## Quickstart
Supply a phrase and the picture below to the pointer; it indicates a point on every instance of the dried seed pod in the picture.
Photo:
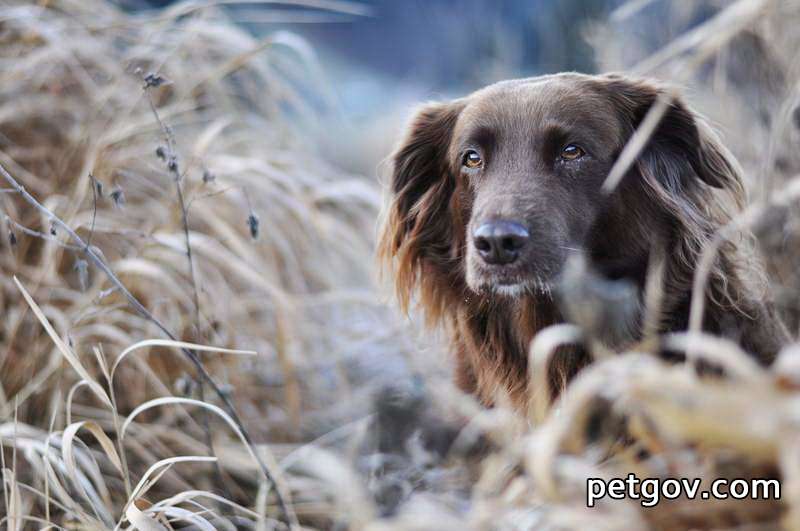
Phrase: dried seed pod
(12, 236)
(252, 223)
(118, 196)
(154, 80)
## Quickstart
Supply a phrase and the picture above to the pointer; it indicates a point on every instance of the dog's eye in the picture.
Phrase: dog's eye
(472, 159)
(572, 152)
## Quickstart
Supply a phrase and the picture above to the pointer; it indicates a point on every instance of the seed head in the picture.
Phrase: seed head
(252, 223)
(118, 196)
(154, 80)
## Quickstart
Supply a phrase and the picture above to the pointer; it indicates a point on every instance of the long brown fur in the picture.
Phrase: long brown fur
(424, 239)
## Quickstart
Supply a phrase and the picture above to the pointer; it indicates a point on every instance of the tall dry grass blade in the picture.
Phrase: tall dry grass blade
(174, 344)
(224, 416)
(62, 347)
(158, 468)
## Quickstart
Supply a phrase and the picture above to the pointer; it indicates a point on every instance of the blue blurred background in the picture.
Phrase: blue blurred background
(380, 57)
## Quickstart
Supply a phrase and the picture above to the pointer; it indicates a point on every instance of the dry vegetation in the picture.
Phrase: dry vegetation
(105, 423)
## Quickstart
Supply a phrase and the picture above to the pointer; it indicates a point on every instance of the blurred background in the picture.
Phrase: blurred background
(379, 58)
(227, 158)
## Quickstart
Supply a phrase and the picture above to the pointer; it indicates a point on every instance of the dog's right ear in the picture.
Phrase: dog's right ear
(417, 227)
(420, 163)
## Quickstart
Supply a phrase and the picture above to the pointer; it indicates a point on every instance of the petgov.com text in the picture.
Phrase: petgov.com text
(651, 491)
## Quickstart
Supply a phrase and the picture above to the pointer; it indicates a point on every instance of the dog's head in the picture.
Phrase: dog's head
(494, 190)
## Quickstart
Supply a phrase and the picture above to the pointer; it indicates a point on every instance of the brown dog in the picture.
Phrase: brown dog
(492, 192)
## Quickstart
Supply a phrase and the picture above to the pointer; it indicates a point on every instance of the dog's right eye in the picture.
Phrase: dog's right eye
(472, 159)
(572, 152)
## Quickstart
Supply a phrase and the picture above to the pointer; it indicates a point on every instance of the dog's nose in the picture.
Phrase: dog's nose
(499, 242)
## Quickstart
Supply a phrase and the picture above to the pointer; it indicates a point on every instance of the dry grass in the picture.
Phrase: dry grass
(103, 423)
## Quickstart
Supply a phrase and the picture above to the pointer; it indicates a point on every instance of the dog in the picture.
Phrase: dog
(492, 193)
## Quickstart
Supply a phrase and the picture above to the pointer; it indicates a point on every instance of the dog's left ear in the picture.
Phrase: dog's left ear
(681, 141)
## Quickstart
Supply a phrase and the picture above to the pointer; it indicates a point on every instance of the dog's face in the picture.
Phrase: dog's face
(531, 158)
(499, 187)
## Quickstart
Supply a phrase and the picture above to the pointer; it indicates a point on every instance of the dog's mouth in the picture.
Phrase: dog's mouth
(510, 283)
(528, 287)
(530, 274)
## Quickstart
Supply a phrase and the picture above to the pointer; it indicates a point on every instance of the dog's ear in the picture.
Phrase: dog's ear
(417, 227)
(420, 163)
(682, 144)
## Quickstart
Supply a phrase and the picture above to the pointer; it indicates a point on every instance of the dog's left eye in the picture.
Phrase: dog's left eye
(472, 159)
(572, 152)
